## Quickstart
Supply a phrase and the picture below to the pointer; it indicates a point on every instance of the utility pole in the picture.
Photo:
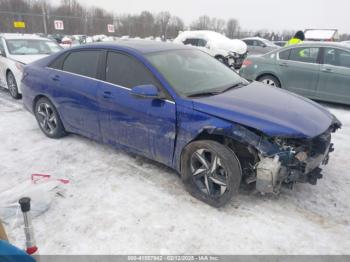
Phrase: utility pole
(44, 16)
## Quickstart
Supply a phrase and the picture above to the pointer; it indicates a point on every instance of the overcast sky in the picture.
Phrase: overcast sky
(252, 14)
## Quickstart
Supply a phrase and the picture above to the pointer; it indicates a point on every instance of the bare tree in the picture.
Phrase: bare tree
(202, 23)
(176, 24)
(163, 19)
(217, 25)
(232, 28)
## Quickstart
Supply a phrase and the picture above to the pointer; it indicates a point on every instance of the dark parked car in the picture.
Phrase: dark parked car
(181, 107)
(319, 70)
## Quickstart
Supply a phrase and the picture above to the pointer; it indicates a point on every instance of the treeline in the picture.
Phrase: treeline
(79, 19)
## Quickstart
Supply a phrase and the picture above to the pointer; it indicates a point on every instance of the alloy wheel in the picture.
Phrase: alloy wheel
(47, 118)
(208, 173)
(12, 86)
(269, 82)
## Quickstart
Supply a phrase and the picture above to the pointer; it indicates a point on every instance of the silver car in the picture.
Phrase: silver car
(258, 45)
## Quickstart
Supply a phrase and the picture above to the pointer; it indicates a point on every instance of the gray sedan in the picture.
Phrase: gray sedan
(319, 71)
(258, 45)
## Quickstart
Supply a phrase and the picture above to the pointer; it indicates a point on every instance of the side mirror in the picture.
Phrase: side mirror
(146, 91)
(2, 53)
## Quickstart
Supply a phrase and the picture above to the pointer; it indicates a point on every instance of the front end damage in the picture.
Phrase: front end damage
(235, 60)
(272, 162)
(296, 161)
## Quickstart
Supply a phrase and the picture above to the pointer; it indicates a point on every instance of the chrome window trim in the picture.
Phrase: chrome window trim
(102, 81)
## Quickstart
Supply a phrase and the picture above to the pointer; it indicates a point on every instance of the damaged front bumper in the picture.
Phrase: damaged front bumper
(298, 161)
(235, 60)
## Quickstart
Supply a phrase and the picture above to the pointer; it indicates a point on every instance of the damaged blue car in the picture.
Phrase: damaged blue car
(179, 106)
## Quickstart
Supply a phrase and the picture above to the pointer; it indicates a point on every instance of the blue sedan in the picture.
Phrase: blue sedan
(179, 106)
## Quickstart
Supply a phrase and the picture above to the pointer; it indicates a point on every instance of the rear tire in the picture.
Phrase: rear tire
(12, 85)
(48, 119)
(211, 172)
(270, 80)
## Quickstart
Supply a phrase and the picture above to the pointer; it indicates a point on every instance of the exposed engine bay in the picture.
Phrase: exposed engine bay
(288, 161)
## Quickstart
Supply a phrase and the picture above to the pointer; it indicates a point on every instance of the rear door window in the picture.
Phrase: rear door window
(304, 54)
(336, 57)
(83, 63)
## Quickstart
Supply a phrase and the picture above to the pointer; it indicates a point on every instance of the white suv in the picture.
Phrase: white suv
(17, 50)
(232, 52)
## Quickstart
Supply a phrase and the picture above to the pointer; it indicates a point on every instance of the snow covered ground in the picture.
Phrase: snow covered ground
(121, 204)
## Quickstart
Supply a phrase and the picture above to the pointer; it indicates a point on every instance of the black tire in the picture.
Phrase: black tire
(202, 186)
(270, 80)
(12, 85)
(221, 59)
(48, 119)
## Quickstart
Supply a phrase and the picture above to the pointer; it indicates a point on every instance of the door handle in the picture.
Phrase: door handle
(283, 64)
(55, 78)
(327, 70)
(107, 94)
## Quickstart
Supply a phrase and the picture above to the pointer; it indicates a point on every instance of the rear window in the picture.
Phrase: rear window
(82, 63)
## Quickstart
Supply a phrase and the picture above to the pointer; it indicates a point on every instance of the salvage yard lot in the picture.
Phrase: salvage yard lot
(118, 203)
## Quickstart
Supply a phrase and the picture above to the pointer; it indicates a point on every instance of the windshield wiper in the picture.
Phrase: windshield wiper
(210, 93)
(239, 84)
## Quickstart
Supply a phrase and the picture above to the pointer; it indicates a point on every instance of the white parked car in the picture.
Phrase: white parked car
(17, 50)
(232, 52)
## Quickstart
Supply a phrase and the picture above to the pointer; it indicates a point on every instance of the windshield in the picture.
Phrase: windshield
(192, 72)
(269, 43)
(31, 47)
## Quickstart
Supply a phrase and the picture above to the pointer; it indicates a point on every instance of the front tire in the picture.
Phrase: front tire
(12, 85)
(211, 172)
(48, 119)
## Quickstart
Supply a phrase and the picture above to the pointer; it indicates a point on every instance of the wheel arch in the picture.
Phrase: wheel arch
(242, 150)
(36, 99)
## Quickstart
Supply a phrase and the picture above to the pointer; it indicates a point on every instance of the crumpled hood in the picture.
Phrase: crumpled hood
(273, 111)
(233, 45)
(26, 59)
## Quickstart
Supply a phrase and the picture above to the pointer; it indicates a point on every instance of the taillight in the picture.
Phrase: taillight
(247, 63)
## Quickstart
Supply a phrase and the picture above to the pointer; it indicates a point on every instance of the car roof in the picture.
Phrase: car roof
(141, 46)
(212, 35)
(20, 36)
(320, 44)
(255, 38)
